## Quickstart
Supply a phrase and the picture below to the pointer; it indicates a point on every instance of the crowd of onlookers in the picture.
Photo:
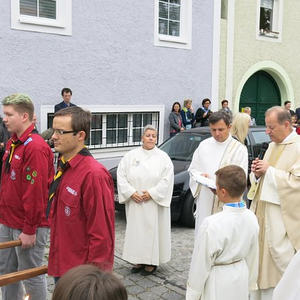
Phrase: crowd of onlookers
(184, 117)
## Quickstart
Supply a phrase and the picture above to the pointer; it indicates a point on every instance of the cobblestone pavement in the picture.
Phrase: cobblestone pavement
(168, 282)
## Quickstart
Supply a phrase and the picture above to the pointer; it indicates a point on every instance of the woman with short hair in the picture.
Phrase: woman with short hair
(145, 183)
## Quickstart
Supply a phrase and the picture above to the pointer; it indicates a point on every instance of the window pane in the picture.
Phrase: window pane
(122, 135)
(163, 10)
(163, 26)
(122, 121)
(265, 19)
(96, 121)
(96, 137)
(175, 1)
(111, 136)
(147, 119)
(175, 12)
(137, 120)
(174, 28)
(137, 134)
(111, 121)
(28, 7)
(266, 4)
(47, 9)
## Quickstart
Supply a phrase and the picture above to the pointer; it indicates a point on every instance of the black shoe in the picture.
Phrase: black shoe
(146, 273)
(136, 269)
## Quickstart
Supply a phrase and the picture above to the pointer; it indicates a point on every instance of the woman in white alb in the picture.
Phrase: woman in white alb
(145, 183)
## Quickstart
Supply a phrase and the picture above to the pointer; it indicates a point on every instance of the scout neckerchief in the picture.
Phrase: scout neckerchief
(62, 167)
(13, 146)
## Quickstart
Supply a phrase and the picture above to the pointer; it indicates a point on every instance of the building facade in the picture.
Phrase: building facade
(126, 61)
(259, 42)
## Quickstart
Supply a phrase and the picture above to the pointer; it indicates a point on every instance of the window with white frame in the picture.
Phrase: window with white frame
(50, 16)
(173, 19)
(120, 129)
(270, 18)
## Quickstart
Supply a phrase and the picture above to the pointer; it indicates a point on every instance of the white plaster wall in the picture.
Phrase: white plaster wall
(109, 59)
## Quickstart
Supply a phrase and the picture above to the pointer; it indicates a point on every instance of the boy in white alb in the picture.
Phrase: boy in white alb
(225, 259)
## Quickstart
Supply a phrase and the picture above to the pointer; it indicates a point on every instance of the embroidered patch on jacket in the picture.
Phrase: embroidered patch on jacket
(67, 211)
(28, 141)
(28, 169)
(28, 177)
(13, 175)
(71, 191)
(34, 173)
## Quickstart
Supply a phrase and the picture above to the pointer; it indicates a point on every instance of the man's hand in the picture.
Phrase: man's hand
(27, 240)
(146, 196)
(136, 197)
(261, 167)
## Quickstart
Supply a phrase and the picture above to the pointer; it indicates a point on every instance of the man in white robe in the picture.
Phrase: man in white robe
(213, 153)
(225, 258)
(275, 192)
(148, 229)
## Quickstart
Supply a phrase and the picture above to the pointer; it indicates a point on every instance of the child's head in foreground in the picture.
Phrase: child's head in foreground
(231, 183)
(88, 282)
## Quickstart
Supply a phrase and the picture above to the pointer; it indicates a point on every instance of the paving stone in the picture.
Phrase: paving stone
(146, 283)
(135, 290)
(172, 296)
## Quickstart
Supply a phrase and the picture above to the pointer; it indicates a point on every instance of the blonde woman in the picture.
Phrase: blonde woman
(240, 126)
(187, 114)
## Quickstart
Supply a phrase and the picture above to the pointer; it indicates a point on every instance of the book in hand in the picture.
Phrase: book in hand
(208, 182)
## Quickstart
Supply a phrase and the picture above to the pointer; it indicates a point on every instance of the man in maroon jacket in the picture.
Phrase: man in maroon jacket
(81, 199)
(27, 172)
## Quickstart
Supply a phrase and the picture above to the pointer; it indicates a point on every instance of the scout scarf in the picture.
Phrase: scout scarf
(13, 146)
(62, 167)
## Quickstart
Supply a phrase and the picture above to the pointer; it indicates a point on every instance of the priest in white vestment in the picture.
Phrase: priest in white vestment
(145, 179)
(224, 264)
(275, 192)
(213, 153)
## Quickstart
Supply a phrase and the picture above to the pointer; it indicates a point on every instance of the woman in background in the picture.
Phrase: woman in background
(175, 119)
(187, 114)
(240, 127)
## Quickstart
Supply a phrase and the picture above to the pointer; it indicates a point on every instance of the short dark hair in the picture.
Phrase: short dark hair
(66, 90)
(205, 100)
(175, 104)
(88, 282)
(224, 101)
(21, 103)
(218, 116)
(287, 102)
(233, 179)
(80, 119)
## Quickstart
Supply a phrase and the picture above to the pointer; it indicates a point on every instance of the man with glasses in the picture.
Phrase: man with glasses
(81, 199)
(26, 175)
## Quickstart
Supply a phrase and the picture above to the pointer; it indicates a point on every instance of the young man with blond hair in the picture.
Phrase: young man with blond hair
(26, 175)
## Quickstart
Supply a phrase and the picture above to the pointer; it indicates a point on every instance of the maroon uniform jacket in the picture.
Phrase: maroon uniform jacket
(82, 218)
(24, 186)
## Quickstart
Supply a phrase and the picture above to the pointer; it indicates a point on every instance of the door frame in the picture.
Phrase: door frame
(279, 75)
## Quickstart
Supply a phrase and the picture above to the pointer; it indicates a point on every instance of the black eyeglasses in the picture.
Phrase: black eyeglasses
(61, 131)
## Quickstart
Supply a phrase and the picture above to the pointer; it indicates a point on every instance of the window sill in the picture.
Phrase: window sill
(270, 34)
(41, 21)
(172, 39)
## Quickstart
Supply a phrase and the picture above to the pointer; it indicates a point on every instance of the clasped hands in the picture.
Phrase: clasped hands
(259, 167)
(140, 198)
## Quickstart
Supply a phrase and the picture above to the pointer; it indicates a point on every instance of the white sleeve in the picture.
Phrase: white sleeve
(125, 189)
(195, 172)
(269, 188)
(162, 192)
(200, 265)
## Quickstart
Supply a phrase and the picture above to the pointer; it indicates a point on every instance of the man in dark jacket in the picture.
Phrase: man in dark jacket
(66, 93)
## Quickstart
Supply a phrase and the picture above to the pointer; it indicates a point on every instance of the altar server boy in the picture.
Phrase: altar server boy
(225, 258)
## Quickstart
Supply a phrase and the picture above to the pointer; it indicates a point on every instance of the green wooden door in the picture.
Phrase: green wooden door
(260, 92)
